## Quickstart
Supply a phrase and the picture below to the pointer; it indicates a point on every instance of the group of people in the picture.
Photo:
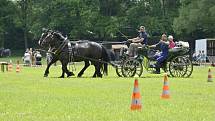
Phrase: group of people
(32, 57)
(164, 44)
(200, 57)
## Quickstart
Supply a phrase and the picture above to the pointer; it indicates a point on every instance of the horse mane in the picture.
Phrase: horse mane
(59, 35)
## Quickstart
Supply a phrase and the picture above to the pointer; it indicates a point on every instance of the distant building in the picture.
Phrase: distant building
(208, 46)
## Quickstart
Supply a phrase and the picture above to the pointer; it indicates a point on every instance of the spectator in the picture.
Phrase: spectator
(27, 58)
(31, 55)
(194, 56)
(203, 57)
(199, 57)
(38, 58)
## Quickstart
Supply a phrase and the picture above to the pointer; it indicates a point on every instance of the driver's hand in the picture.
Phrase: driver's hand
(161, 41)
(129, 40)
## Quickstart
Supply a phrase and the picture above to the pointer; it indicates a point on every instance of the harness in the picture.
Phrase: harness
(70, 51)
(59, 49)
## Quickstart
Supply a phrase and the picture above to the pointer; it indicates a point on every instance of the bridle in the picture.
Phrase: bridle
(62, 45)
(48, 35)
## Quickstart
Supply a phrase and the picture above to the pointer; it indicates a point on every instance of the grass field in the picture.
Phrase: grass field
(28, 96)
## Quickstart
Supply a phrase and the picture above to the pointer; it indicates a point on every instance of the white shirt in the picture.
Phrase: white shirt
(27, 57)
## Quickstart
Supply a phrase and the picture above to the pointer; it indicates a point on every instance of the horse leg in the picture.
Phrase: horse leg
(97, 72)
(63, 71)
(48, 66)
(69, 73)
(87, 64)
(64, 68)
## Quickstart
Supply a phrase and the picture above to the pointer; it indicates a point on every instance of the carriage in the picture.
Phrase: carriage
(178, 63)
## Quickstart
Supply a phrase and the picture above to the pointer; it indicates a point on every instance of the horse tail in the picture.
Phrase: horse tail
(106, 59)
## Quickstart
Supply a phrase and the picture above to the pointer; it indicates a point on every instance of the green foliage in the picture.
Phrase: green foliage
(102, 20)
(196, 18)
(7, 22)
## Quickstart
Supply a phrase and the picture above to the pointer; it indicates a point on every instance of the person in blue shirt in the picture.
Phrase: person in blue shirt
(162, 56)
(137, 42)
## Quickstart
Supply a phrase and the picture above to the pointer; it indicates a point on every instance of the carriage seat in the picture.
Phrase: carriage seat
(175, 49)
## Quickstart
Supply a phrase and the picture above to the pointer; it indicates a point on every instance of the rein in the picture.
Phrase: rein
(59, 49)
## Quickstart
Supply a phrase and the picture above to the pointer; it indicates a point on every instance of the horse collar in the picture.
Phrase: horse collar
(59, 49)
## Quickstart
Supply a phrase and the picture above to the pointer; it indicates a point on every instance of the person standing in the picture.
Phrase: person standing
(203, 57)
(27, 58)
(31, 55)
(199, 57)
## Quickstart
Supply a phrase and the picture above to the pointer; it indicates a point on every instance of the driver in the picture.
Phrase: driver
(161, 57)
(137, 42)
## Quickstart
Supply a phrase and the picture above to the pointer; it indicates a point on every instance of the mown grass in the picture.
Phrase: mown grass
(28, 96)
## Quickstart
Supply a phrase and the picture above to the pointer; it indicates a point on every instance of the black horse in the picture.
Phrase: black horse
(63, 50)
(5, 52)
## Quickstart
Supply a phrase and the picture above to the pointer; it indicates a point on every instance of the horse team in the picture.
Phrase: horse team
(65, 51)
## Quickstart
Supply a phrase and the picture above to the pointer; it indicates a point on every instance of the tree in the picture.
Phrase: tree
(196, 19)
(7, 15)
(101, 20)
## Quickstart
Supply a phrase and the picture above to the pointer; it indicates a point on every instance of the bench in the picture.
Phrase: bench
(4, 66)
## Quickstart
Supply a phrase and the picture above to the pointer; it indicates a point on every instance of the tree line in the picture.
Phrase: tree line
(21, 21)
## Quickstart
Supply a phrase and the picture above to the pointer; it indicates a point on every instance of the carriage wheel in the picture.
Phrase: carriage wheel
(132, 67)
(178, 67)
(119, 71)
(189, 67)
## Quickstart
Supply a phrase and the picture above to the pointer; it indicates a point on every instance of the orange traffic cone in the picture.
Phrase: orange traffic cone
(136, 102)
(17, 67)
(210, 75)
(10, 67)
(165, 94)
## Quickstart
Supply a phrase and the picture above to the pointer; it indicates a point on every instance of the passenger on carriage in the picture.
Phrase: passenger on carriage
(137, 42)
(171, 42)
(162, 56)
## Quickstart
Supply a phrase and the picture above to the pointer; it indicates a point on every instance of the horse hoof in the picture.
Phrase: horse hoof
(79, 75)
(45, 76)
(61, 77)
(100, 76)
(70, 74)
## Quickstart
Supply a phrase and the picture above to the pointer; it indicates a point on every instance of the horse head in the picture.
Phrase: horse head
(44, 39)
(51, 39)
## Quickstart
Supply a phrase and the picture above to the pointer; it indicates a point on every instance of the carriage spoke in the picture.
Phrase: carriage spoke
(178, 67)
(132, 67)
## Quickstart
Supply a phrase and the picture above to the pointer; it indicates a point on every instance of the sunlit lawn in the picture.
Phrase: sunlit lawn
(27, 96)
